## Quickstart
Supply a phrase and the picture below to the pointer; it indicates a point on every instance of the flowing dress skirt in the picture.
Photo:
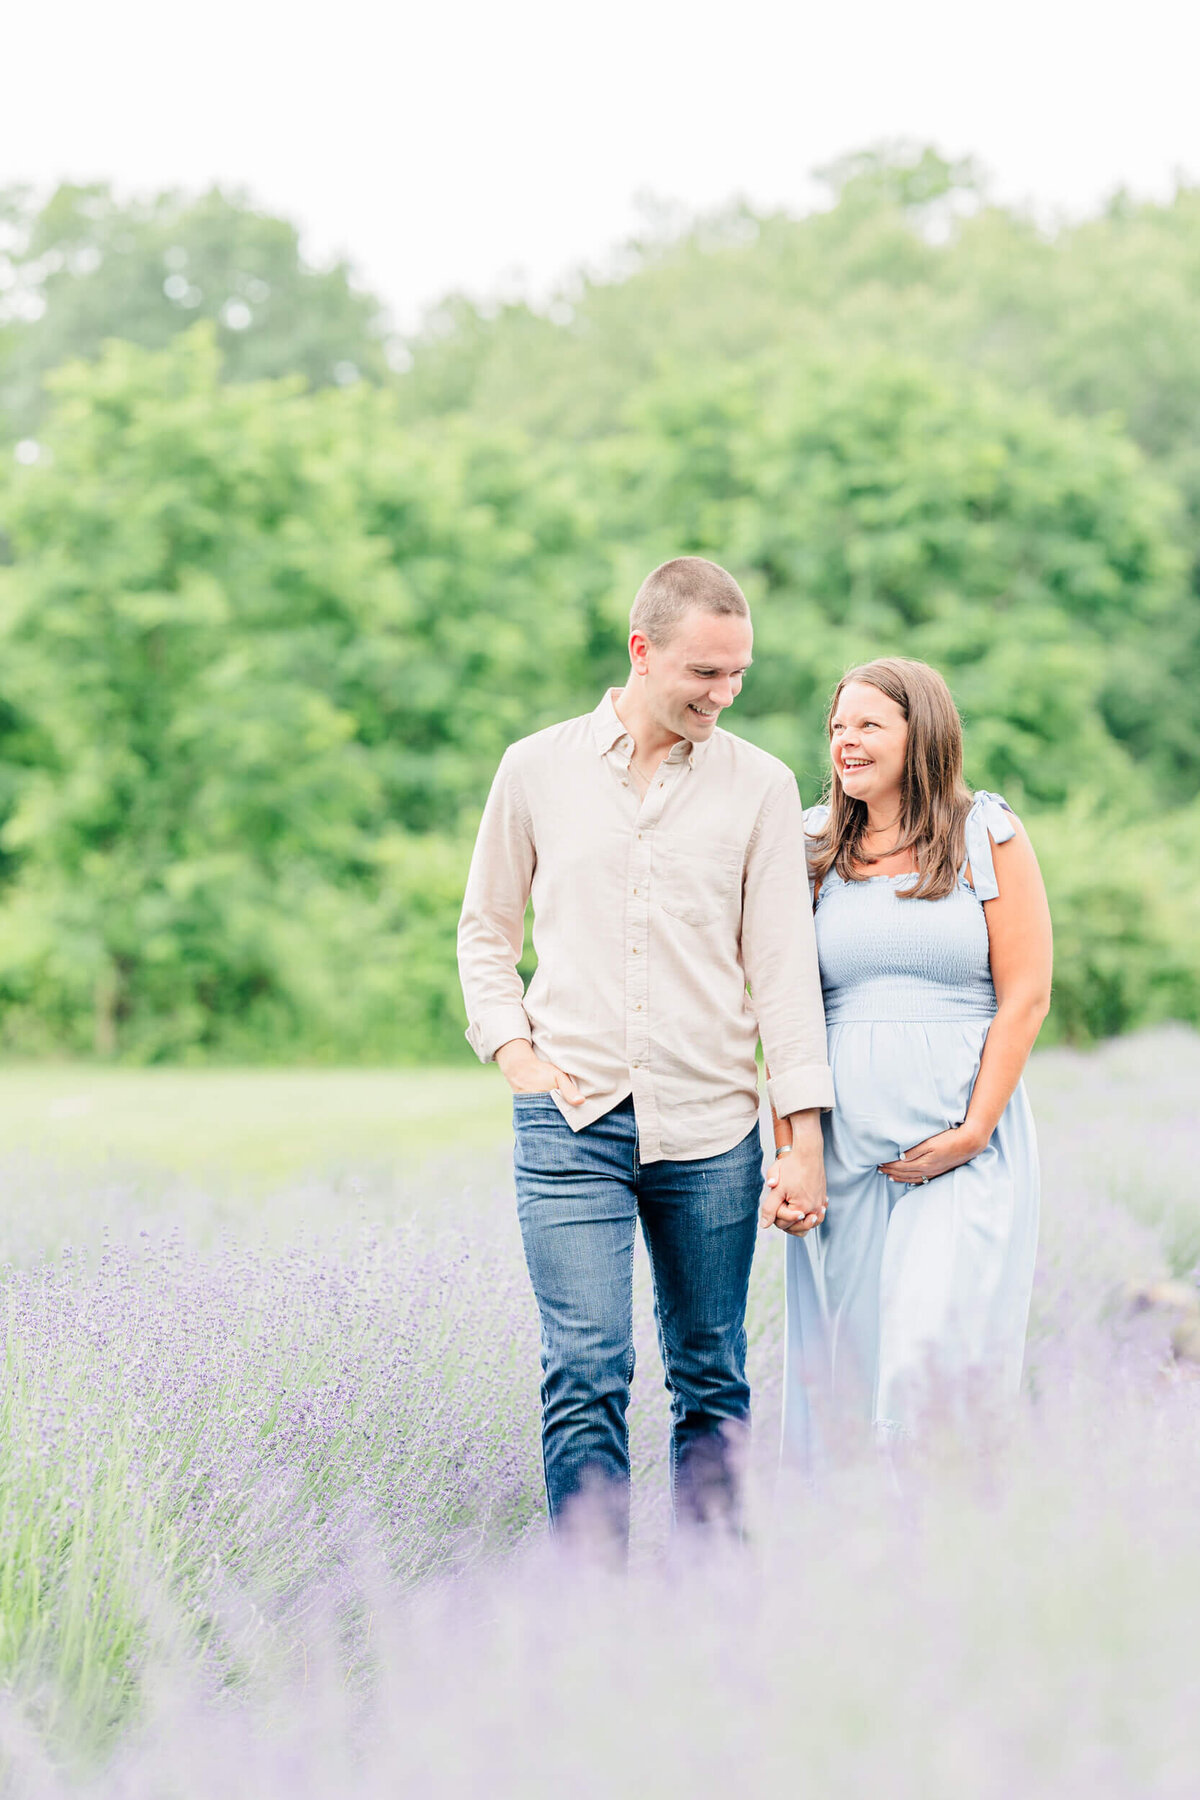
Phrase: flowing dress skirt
(906, 1300)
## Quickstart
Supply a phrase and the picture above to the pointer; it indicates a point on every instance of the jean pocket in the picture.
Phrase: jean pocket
(537, 1097)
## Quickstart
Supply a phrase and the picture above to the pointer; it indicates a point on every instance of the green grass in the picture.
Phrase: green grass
(256, 1125)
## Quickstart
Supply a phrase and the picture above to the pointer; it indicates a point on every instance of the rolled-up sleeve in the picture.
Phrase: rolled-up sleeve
(491, 928)
(779, 954)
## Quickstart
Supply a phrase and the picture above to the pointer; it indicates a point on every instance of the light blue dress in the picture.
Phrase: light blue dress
(909, 1298)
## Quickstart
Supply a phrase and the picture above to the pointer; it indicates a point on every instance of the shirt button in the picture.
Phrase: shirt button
(638, 1007)
(635, 890)
(635, 950)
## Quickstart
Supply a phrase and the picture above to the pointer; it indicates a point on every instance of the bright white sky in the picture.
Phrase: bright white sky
(494, 144)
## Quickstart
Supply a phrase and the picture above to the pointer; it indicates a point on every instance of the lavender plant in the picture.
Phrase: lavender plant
(175, 1424)
(270, 1510)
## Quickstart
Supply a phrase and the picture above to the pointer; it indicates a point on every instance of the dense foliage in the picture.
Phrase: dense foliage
(84, 268)
(270, 611)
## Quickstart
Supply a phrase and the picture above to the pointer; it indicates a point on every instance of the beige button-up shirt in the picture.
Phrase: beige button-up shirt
(652, 915)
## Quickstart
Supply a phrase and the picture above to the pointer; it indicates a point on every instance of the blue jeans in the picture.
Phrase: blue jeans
(579, 1198)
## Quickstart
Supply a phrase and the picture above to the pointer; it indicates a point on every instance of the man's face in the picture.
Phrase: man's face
(691, 679)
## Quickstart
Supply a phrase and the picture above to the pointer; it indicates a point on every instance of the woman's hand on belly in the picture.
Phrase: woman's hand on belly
(934, 1156)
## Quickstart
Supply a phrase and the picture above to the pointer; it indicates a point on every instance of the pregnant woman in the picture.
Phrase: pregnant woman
(934, 941)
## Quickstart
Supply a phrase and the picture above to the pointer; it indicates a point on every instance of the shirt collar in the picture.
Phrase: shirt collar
(609, 733)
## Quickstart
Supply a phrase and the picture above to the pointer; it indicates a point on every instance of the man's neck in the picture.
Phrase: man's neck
(650, 742)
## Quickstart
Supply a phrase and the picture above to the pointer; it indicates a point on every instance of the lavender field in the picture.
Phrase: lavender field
(271, 1505)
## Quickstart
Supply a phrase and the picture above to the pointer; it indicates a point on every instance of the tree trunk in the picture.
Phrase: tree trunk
(105, 994)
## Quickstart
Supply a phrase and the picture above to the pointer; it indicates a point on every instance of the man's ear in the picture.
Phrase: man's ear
(639, 650)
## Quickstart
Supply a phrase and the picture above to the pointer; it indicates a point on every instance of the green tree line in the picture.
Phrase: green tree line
(275, 591)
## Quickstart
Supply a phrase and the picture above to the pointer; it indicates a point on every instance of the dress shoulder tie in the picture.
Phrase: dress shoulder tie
(989, 821)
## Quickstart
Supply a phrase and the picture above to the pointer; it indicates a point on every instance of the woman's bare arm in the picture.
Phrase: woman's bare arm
(1021, 954)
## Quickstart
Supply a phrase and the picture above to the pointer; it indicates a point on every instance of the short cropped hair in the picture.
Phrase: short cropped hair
(675, 587)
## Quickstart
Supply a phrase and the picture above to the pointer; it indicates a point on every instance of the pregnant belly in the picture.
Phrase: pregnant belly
(895, 1084)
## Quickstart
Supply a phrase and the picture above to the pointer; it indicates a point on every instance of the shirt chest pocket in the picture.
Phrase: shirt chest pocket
(696, 883)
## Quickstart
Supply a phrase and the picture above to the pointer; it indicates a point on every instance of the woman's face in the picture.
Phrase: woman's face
(867, 740)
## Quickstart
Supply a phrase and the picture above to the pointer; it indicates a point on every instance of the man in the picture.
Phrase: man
(665, 861)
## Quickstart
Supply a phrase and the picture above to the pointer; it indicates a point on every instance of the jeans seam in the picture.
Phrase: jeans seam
(637, 1174)
(630, 1363)
(673, 1451)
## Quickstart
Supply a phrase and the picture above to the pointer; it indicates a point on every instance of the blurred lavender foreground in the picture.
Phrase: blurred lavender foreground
(271, 1514)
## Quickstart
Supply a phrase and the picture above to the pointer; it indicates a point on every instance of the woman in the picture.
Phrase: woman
(934, 939)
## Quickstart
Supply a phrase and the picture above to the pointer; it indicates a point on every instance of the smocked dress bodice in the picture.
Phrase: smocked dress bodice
(887, 958)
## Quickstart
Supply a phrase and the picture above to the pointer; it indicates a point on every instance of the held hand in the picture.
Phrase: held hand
(794, 1199)
(526, 1073)
(935, 1156)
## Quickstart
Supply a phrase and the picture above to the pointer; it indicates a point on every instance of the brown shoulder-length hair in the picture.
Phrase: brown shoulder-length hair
(934, 800)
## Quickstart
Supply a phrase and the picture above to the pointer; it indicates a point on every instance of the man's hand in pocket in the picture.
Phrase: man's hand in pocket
(526, 1073)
